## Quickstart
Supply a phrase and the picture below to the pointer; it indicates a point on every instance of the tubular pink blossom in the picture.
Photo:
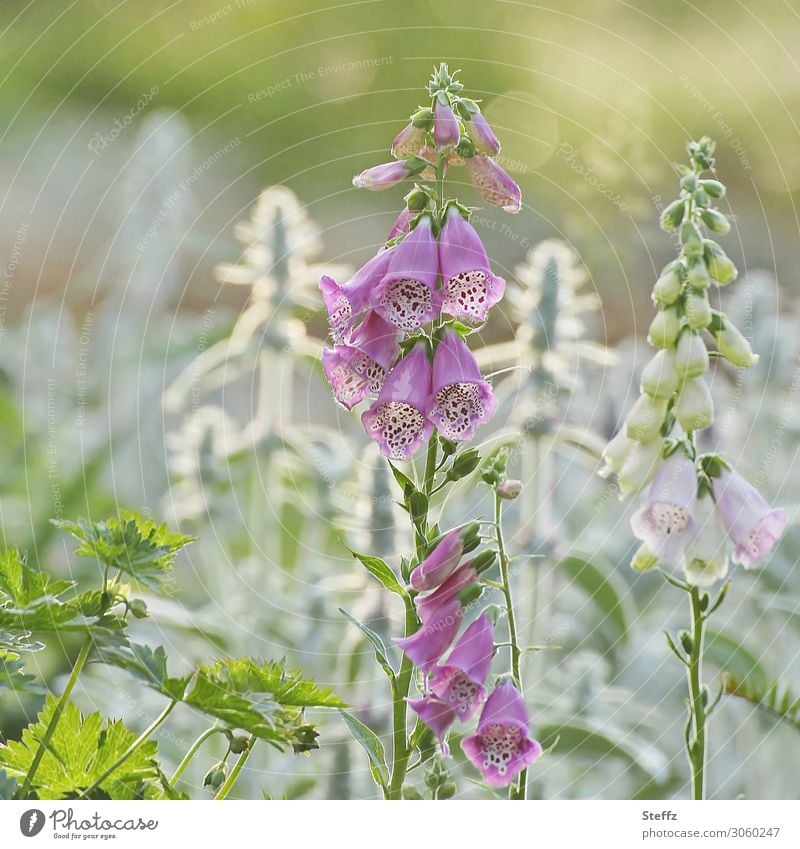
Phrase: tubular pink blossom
(462, 399)
(440, 563)
(437, 715)
(482, 135)
(407, 296)
(401, 225)
(469, 288)
(459, 683)
(666, 524)
(502, 746)
(398, 421)
(381, 177)
(426, 646)
(753, 526)
(359, 368)
(345, 303)
(445, 126)
(408, 142)
(493, 184)
(429, 604)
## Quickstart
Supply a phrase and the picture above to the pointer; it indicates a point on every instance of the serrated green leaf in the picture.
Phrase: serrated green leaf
(148, 665)
(378, 645)
(130, 543)
(8, 786)
(381, 570)
(80, 750)
(775, 698)
(22, 585)
(371, 744)
(603, 589)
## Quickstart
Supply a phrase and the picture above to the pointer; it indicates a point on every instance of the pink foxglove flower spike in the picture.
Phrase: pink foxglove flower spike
(407, 295)
(462, 399)
(469, 287)
(398, 420)
(753, 526)
(359, 367)
(502, 746)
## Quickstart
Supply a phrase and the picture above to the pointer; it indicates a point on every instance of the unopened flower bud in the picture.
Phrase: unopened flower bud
(216, 776)
(660, 377)
(691, 355)
(694, 409)
(697, 273)
(691, 239)
(464, 464)
(686, 641)
(720, 266)
(446, 132)
(664, 328)
(384, 176)
(646, 417)
(713, 187)
(644, 559)
(239, 743)
(668, 287)
(616, 452)
(509, 489)
(138, 607)
(672, 216)
(734, 347)
(483, 561)
(423, 118)
(640, 466)
(482, 135)
(715, 221)
(698, 310)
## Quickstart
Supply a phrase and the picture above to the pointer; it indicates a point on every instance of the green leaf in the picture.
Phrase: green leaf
(595, 740)
(132, 544)
(8, 785)
(380, 570)
(377, 643)
(80, 750)
(729, 654)
(774, 698)
(604, 589)
(371, 744)
(23, 585)
(148, 665)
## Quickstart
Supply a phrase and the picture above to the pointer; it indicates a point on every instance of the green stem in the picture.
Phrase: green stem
(696, 744)
(226, 788)
(192, 751)
(517, 789)
(154, 725)
(80, 662)
(401, 750)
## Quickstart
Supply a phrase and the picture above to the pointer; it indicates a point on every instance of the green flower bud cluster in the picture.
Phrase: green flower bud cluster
(673, 387)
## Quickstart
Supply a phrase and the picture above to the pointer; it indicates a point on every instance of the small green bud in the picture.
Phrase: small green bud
(691, 239)
(697, 273)
(446, 791)
(509, 489)
(664, 328)
(734, 347)
(720, 266)
(469, 595)
(484, 561)
(464, 464)
(640, 465)
(689, 182)
(672, 216)
(238, 744)
(698, 310)
(216, 776)
(411, 793)
(691, 355)
(494, 465)
(660, 377)
(138, 607)
(701, 199)
(686, 641)
(643, 560)
(423, 118)
(644, 421)
(417, 200)
(694, 409)
(668, 287)
(713, 187)
(715, 221)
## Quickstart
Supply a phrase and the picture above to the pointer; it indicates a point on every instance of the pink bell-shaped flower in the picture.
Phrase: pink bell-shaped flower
(358, 368)
(493, 184)
(401, 225)
(426, 646)
(753, 526)
(397, 420)
(462, 400)
(345, 303)
(665, 523)
(502, 746)
(429, 604)
(469, 288)
(482, 135)
(446, 132)
(384, 176)
(407, 296)
(408, 141)
(440, 563)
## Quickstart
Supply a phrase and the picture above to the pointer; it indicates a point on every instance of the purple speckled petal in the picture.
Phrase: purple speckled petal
(461, 399)
(493, 184)
(469, 288)
(758, 544)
